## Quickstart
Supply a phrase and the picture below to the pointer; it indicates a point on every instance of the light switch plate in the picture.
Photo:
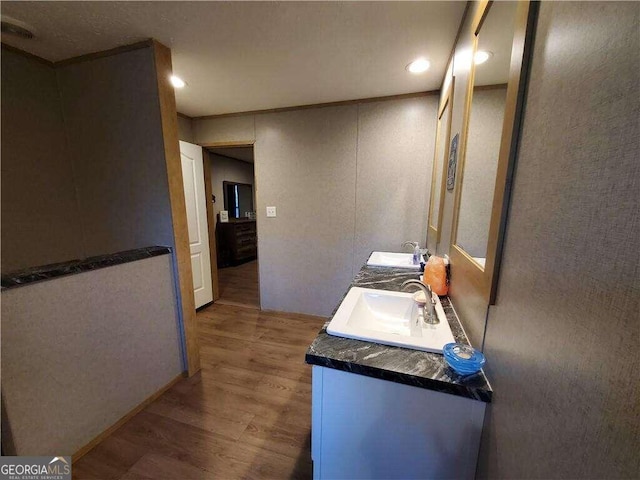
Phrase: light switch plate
(271, 211)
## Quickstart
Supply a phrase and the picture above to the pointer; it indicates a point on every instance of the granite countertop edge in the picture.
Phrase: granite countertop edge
(401, 365)
(406, 379)
(42, 273)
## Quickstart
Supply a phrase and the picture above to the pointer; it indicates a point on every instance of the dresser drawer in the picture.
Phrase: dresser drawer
(237, 242)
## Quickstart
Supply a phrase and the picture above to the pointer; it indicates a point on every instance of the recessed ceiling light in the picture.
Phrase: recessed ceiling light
(177, 82)
(481, 56)
(418, 66)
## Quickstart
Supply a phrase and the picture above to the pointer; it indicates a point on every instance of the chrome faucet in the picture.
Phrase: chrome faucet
(429, 308)
(413, 245)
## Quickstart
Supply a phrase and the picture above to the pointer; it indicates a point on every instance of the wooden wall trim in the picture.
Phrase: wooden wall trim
(211, 221)
(455, 41)
(496, 86)
(481, 15)
(447, 104)
(526, 20)
(82, 451)
(82, 58)
(9, 48)
(105, 53)
(225, 156)
(239, 143)
(169, 117)
(322, 105)
(484, 279)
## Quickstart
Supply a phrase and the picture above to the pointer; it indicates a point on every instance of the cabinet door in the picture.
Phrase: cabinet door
(369, 428)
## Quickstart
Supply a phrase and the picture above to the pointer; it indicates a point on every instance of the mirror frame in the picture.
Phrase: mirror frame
(484, 280)
(226, 200)
(446, 102)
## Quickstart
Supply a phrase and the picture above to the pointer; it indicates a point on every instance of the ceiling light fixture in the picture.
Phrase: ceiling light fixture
(16, 28)
(481, 56)
(177, 82)
(418, 66)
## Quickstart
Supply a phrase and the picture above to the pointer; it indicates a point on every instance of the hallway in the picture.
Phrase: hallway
(247, 414)
(239, 285)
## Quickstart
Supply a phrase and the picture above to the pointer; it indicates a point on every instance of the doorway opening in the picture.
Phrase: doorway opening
(234, 224)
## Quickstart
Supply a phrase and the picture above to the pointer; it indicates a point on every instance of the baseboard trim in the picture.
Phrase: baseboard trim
(231, 303)
(82, 451)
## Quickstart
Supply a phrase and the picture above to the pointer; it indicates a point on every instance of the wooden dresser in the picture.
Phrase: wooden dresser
(236, 241)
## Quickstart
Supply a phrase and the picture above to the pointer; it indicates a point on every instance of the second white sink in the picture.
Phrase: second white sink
(387, 317)
(392, 259)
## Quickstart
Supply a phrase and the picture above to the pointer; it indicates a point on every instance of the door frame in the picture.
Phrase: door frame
(181, 254)
(211, 226)
(210, 216)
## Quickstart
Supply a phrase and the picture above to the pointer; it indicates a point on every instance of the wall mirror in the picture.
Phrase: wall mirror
(238, 199)
(493, 106)
(438, 177)
(484, 131)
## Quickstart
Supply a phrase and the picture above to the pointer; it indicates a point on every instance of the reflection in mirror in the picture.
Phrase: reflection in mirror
(441, 154)
(238, 199)
(484, 131)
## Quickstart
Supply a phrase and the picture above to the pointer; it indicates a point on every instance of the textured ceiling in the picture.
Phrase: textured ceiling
(240, 56)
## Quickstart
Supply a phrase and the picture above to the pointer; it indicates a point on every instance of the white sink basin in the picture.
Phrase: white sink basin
(388, 317)
(391, 259)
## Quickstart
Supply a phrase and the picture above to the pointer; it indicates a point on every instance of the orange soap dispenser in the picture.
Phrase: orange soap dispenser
(435, 275)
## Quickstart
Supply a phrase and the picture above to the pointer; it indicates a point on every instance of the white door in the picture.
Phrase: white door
(193, 178)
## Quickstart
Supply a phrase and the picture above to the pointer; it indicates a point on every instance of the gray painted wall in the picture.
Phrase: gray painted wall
(562, 341)
(38, 195)
(82, 160)
(116, 145)
(83, 173)
(345, 180)
(480, 167)
(185, 129)
(305, 166)
(229, 170)
(240, 129)
(90, 349)
(396, 140)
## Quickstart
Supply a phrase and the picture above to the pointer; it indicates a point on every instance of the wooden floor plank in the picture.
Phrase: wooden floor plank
(225, 422)
(153, 466)
(246, 415)
(276, 437)
(239, 285)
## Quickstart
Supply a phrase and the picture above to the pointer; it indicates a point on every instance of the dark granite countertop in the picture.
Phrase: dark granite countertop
(401, 365)
(48, 272)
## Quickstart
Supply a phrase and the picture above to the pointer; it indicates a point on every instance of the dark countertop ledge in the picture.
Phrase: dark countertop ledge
(72, 267)
(396, 364)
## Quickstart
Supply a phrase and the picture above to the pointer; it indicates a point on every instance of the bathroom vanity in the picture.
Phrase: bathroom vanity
(388, 412)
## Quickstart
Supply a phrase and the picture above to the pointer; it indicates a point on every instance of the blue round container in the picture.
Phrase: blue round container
(463, 359)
